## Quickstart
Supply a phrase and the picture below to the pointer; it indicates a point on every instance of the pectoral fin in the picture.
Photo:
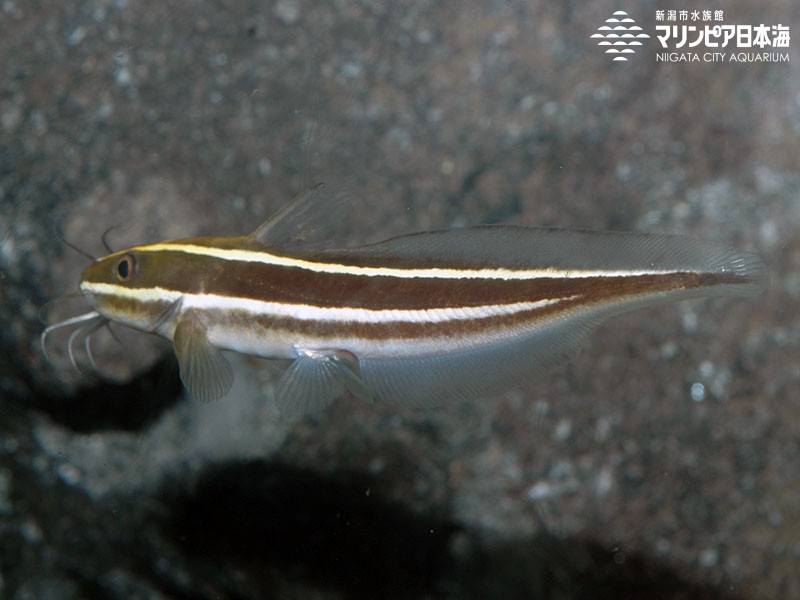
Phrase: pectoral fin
(316, 378)
(204, 371)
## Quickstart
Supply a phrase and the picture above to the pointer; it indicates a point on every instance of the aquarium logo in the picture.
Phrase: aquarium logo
(620, 36)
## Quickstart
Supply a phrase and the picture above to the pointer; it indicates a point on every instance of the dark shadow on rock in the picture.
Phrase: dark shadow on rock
(107, 406)
(280, 528)
(547, 567)
(267, 530)
(274, 522)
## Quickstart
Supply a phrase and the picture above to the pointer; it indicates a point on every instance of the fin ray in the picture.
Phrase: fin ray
(306, 223)
(204, 371)
(315, 379)
(432, 380)
(504, 246)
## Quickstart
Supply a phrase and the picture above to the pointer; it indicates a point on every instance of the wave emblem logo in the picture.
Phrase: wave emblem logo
(621, 34)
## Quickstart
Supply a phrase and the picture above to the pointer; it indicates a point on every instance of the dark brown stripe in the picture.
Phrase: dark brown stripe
(188, 273)
(336, 330)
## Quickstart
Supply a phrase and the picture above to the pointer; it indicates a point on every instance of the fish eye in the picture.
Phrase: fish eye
(126, 267)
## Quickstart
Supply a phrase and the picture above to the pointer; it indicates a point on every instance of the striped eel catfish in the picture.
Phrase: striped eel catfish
(415, 319)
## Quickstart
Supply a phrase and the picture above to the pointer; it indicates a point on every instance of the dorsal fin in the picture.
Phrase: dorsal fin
(311, 221)
(508, 246)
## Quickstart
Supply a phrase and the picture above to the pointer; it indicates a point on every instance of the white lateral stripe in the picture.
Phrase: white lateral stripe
(317, 313)
(410, 273)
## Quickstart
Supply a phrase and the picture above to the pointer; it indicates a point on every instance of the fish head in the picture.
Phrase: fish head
(133, 287)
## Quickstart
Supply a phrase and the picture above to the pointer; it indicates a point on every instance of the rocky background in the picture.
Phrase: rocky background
(608, 479)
